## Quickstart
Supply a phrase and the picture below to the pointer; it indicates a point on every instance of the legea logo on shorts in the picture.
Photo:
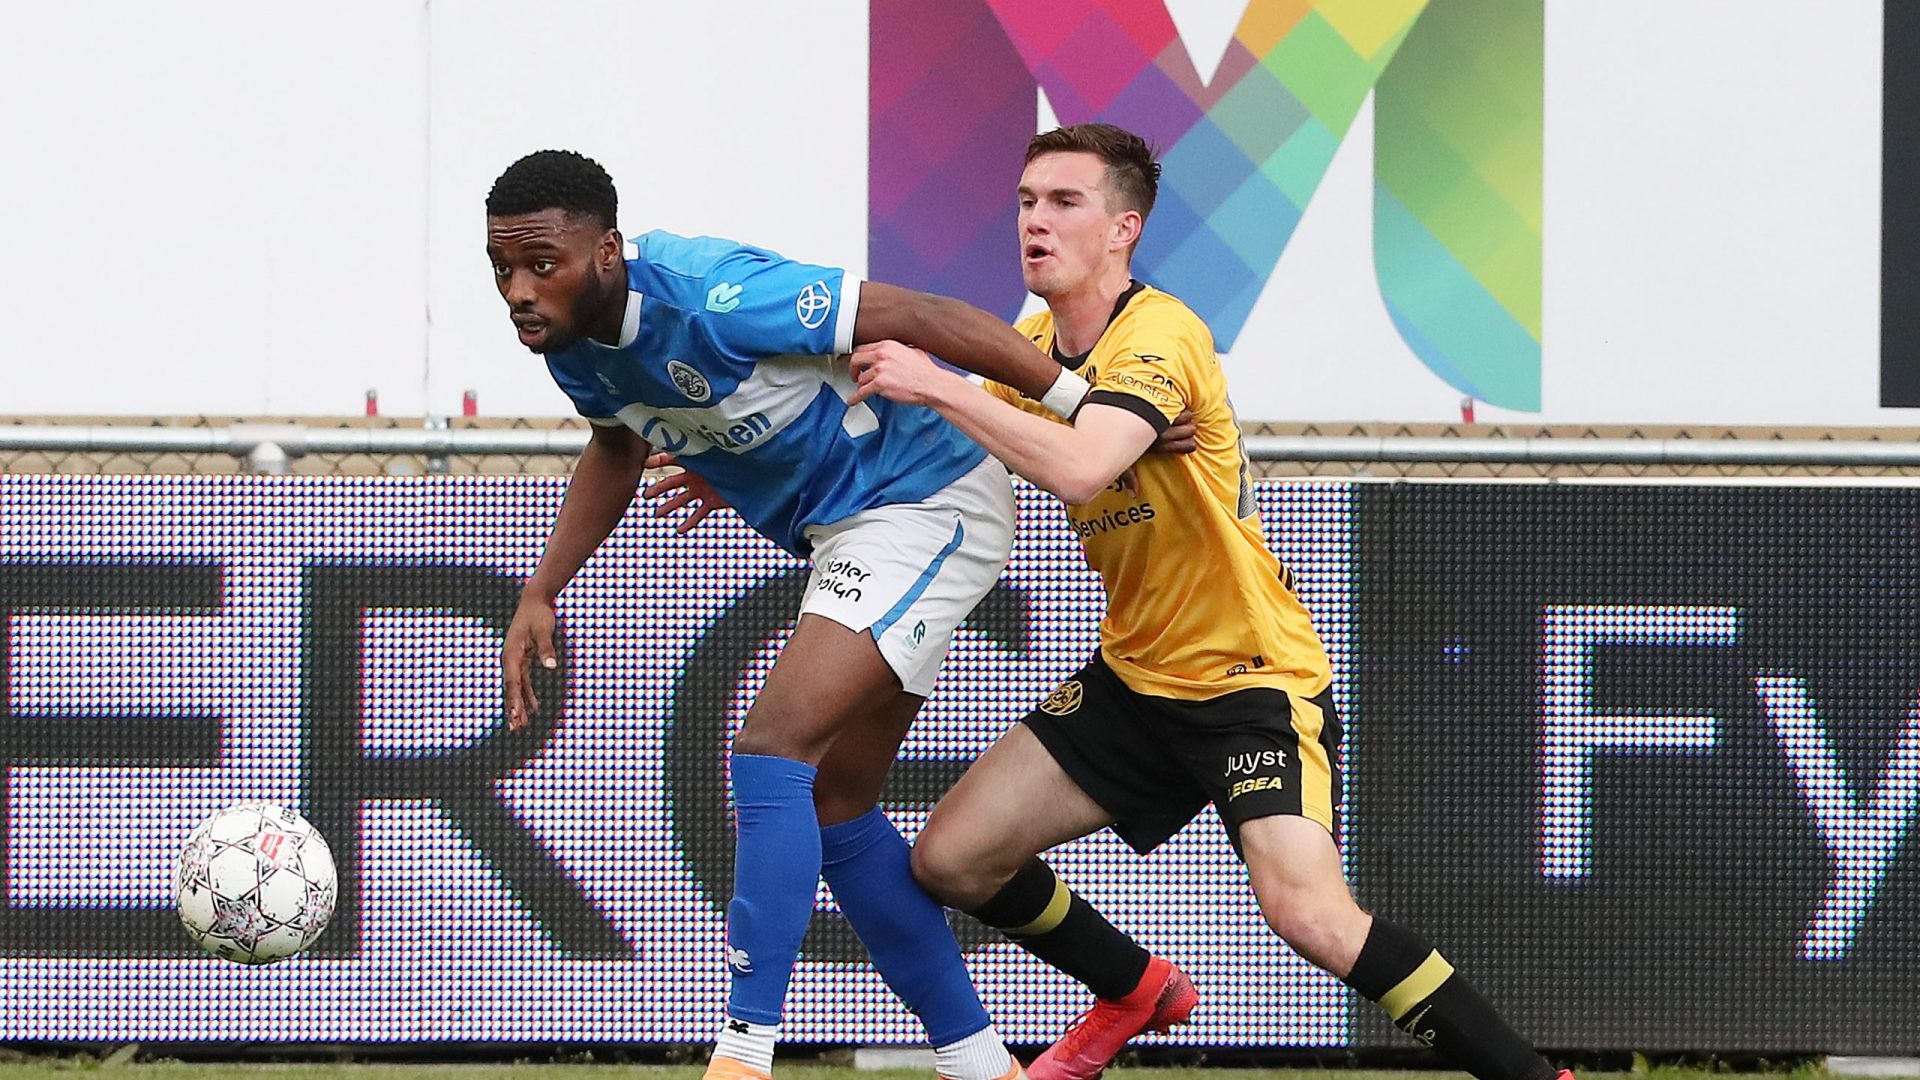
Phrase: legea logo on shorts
(1256, 783)
(1457, 92)
(1065, 699)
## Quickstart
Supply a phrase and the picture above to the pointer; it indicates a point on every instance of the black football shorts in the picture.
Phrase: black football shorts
(1155, 762)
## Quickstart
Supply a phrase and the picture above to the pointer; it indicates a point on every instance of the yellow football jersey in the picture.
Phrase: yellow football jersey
(1197, 606)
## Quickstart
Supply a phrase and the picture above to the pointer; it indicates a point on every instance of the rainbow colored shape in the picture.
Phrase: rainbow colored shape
(1457, 159)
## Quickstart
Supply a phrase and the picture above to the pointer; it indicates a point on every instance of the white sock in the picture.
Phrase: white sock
(979, 1056)
(749, 1044)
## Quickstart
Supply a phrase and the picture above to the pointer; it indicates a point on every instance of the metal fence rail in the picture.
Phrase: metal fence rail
(1406, 449)
(269, 447)
(292, 441)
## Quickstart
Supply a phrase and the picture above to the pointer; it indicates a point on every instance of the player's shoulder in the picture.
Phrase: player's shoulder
(689, 256)
(573, 358)
(573, 372)
(1153, 313)
(1036, 326)
(715, 276)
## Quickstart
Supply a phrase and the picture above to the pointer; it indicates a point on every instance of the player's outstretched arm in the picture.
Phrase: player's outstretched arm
(603, 484)
(966, 337)
(1074, 463)
(604, 481)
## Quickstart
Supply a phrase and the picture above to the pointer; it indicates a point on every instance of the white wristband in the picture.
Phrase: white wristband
(1067, 393)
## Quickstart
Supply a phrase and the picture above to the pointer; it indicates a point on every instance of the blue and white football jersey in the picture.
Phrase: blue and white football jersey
(728, 361)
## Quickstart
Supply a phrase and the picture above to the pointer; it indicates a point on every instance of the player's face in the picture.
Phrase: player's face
(559, 274)
(1068, 236)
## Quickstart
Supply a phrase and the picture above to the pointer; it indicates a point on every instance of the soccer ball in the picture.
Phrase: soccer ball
(254, 884)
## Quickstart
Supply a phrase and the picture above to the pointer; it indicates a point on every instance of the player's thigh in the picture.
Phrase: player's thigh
(1106, 739)
(889, 586)
(1293, 860)
(1271, 762)
(1015, 797)
(1012, 803)
(855, 768)
(826, 676)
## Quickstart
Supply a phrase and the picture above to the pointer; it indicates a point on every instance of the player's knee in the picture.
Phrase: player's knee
(1307, 932)
(946, 872)
(765, 744)
(1326, 929)
(769, 737)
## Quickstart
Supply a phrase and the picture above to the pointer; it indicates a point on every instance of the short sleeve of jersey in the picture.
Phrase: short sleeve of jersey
(1149, 371)
(587, 397)
(752, 303)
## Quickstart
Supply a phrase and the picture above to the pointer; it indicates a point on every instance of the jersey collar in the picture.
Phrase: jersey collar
(630, 323)
(1073, 363)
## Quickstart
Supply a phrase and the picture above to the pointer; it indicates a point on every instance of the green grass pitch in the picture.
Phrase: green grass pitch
(73, 1068)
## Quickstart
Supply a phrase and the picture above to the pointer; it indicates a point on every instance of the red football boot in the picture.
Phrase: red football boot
(1163, 998)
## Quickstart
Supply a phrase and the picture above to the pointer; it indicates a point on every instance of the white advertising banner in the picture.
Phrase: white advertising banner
(1562, 212)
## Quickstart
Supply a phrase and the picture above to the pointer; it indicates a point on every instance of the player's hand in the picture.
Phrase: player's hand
(1179, 438)
(896, 372)
(529, 641)
(690, 488)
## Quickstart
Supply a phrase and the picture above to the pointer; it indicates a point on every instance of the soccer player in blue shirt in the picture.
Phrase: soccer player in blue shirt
(728, 357)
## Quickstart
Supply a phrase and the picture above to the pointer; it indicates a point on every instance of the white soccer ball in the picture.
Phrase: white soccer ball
(255, 883)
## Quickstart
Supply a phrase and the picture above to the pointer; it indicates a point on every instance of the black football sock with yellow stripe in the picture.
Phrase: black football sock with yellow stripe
(1041, 915)
(1428, 1000)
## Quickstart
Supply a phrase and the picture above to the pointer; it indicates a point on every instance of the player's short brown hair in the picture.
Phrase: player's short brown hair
(1133, 177)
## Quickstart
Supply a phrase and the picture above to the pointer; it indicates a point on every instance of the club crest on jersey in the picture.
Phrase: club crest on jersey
(812, 304)
(1065, 699)
(689, 382)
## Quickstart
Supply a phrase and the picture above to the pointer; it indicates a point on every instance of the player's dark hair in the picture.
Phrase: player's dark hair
(555, 180)
(1133, 176)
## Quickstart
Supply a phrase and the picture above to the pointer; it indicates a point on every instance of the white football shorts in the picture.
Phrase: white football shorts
(910, 572)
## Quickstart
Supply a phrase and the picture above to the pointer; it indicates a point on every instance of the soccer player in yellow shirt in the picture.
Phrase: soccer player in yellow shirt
(1210, 684)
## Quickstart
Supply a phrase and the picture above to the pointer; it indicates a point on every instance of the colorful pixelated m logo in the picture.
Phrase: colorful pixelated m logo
(1457, 153)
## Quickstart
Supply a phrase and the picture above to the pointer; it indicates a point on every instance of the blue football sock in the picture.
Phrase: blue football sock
(776, 872)
(866, 864)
